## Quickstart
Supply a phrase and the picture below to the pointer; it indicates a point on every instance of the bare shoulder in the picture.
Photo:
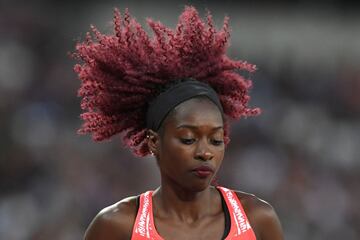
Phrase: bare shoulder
(262, 217)
(114, 222)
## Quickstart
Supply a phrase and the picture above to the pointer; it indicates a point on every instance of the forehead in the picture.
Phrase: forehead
(196, 111)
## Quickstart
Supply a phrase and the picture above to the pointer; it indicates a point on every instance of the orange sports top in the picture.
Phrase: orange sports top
(240, 229)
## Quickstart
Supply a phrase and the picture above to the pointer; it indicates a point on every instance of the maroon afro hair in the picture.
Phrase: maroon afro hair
(121, 73)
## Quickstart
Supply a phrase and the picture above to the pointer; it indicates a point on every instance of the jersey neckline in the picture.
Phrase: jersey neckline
(223, 206)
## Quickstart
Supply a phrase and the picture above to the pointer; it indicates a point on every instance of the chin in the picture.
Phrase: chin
(198, 186)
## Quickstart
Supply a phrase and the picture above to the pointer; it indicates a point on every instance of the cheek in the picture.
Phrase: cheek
(176, 148)
(176, 152)
(172, 145)
(219, 155)
(220, 152)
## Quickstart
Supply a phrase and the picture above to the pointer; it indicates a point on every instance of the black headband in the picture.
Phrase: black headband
(176, 94)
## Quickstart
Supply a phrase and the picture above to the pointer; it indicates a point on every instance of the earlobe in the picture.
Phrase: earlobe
(153, 141)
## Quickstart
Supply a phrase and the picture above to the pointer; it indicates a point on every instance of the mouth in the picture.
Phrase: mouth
(203, 171)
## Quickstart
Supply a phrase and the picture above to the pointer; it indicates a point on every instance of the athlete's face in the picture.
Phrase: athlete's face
(190, 147)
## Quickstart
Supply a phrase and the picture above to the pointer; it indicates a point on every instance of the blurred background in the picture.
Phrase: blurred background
(302, 154)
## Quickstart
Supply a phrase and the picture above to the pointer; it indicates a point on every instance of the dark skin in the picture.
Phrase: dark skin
(186, 205)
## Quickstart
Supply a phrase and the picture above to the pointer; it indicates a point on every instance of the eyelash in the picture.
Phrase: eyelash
(189, 141)
(217, 142)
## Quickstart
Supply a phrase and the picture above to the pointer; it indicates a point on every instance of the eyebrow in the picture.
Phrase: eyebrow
(196, 127)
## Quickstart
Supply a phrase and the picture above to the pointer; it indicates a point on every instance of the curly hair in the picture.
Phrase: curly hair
(122, 72)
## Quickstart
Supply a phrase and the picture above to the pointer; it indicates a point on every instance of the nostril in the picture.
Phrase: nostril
(204, 156)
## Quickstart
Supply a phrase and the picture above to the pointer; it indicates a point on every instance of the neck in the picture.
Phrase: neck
(173, 201)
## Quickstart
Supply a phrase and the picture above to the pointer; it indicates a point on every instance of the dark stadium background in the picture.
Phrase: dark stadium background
(302, 154)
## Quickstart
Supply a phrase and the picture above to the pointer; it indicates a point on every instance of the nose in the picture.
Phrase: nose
(203, 152)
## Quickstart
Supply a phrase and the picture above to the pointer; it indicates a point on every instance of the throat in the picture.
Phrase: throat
(186, 208)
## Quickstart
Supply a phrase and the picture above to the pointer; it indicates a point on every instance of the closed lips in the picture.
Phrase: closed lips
(204, 168)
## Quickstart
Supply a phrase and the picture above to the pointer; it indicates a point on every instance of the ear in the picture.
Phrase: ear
(153, 141)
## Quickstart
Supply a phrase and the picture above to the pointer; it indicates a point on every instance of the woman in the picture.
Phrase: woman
(170, 96)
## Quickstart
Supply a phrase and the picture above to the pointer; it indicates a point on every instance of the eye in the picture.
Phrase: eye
(217, 142)
(187, 141)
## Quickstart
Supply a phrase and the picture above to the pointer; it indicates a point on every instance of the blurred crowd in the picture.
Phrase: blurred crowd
(301, 154)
